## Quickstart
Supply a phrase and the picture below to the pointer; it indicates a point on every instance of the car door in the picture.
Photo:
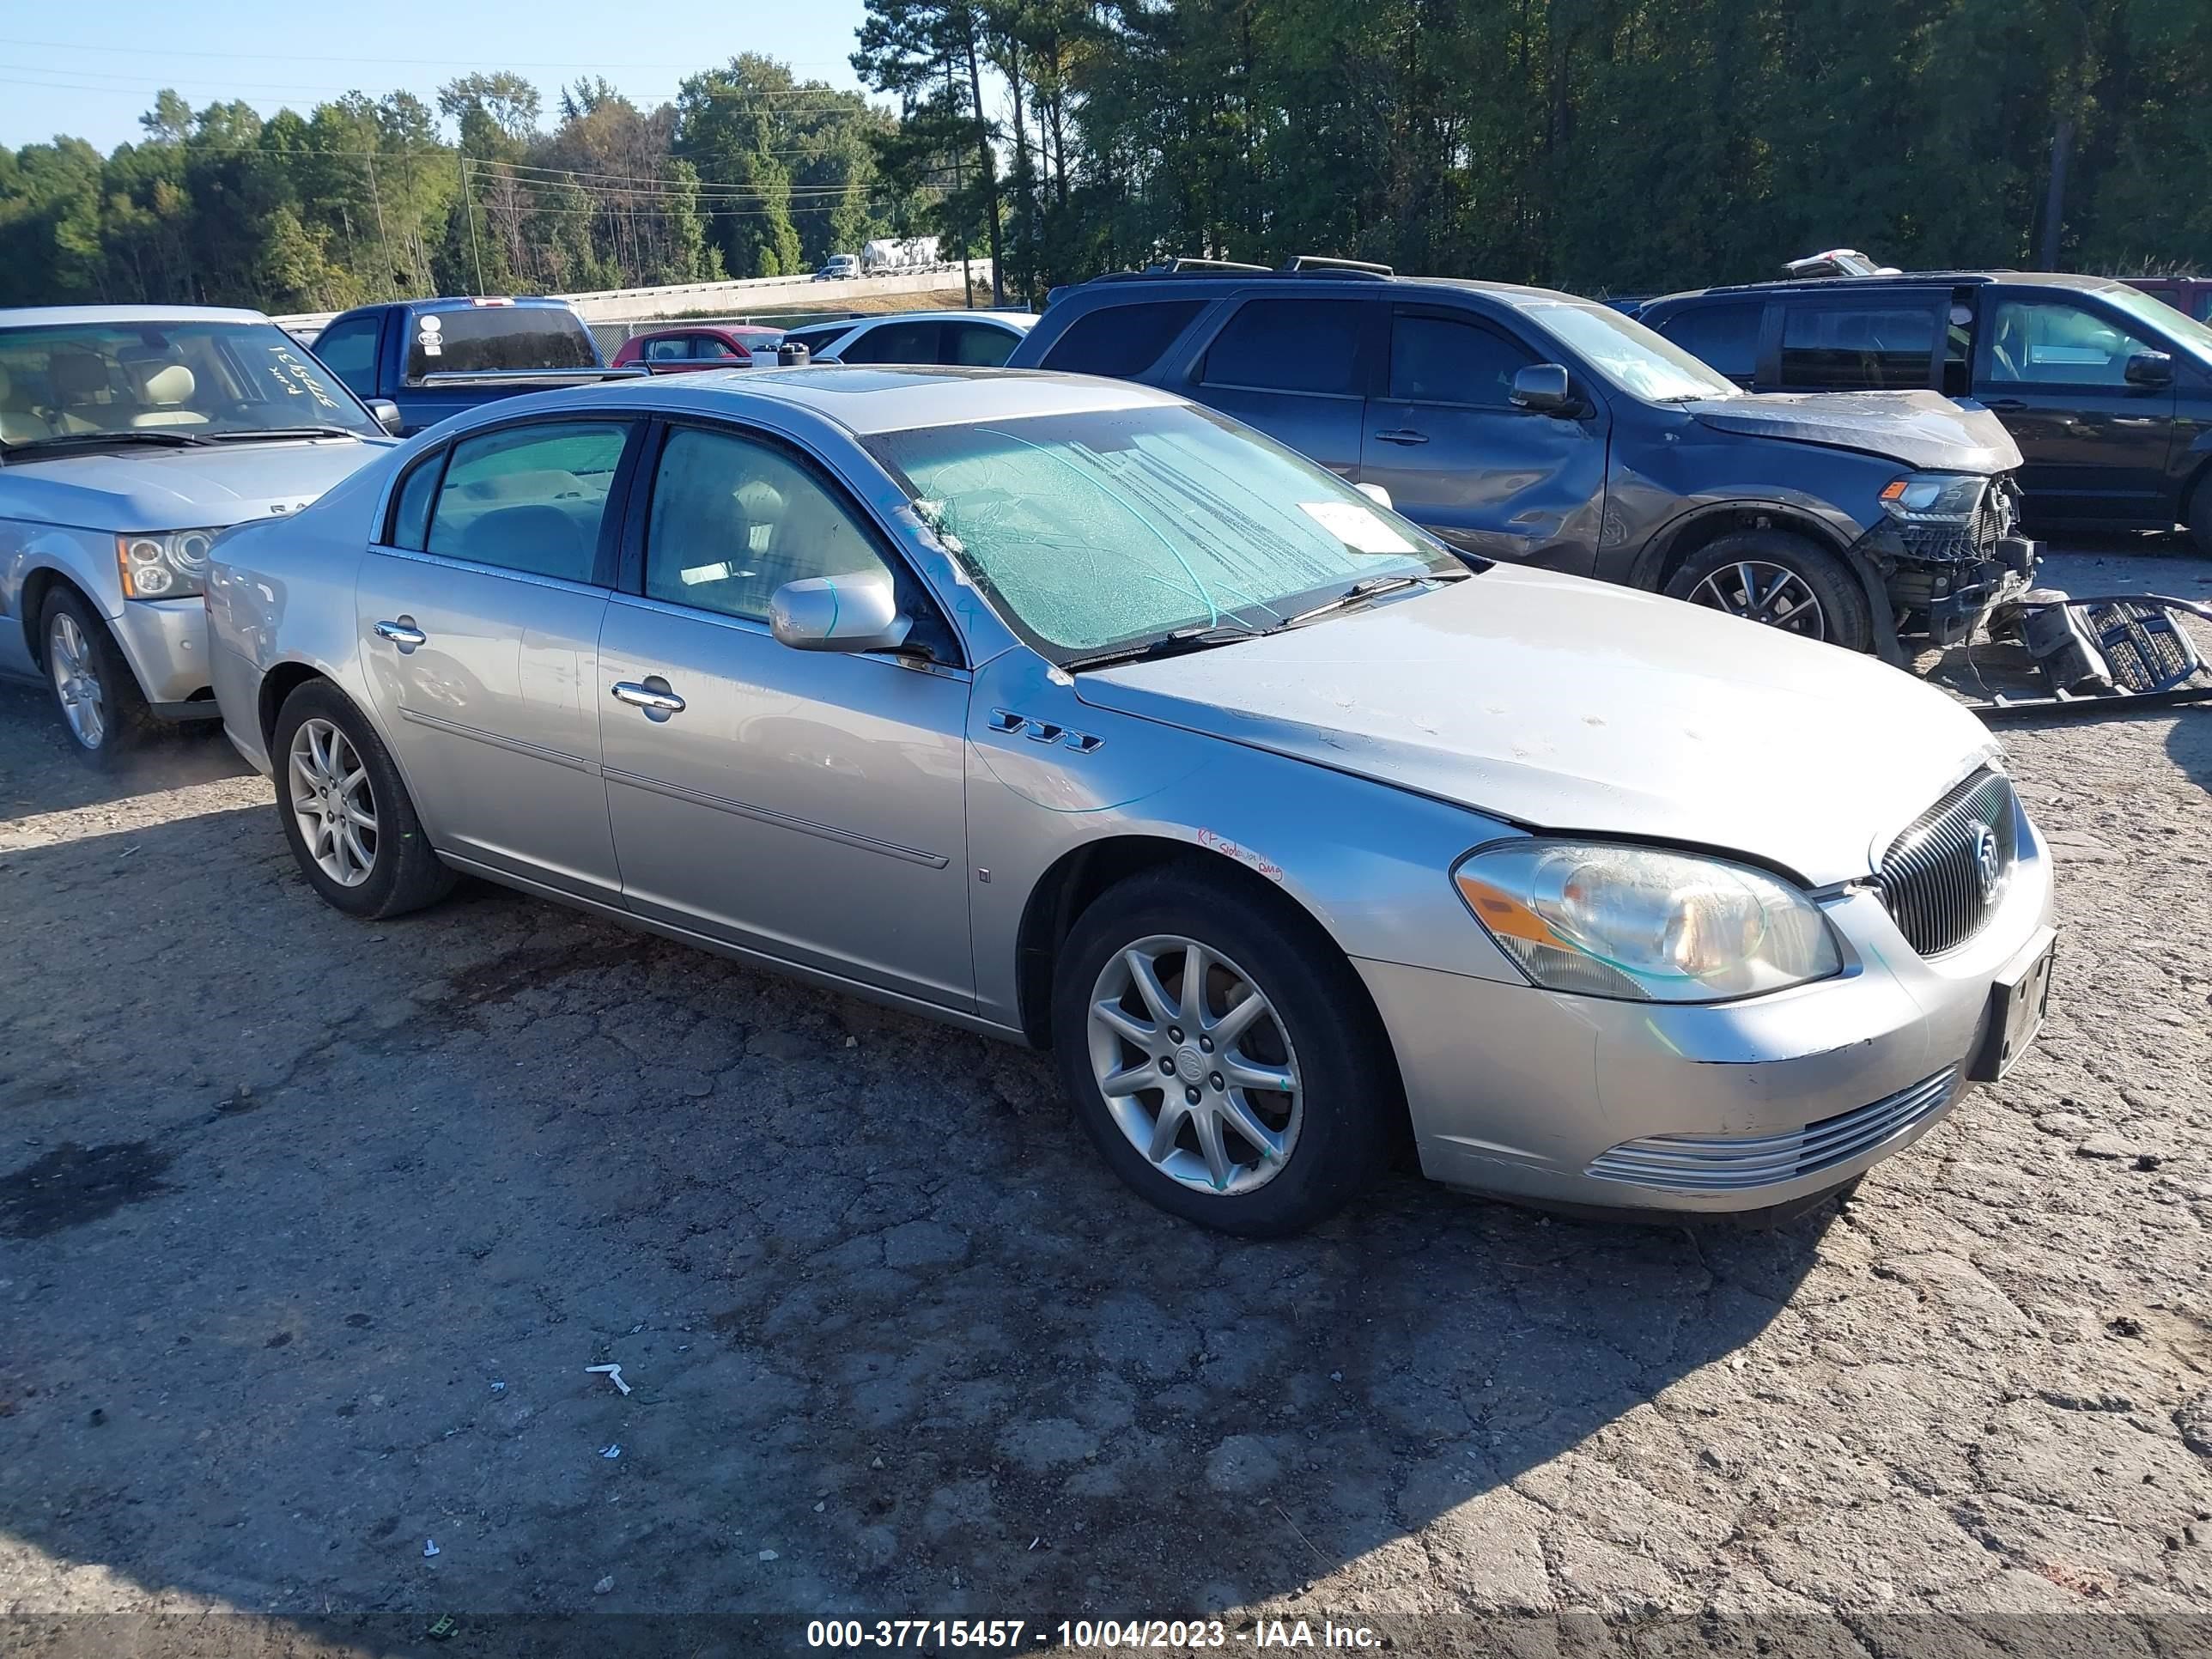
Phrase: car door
(1299, 370)
(806, 804)
(347, 349)
(1459, 458)
(2094, 447)
(479, 618)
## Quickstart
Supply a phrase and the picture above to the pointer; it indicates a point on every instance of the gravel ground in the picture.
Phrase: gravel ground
(309, 1228)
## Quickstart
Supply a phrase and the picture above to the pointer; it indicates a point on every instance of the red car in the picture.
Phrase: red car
(2191, 295)
(679, 350)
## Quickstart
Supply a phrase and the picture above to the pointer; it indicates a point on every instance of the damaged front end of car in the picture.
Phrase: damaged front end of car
(1950, 552)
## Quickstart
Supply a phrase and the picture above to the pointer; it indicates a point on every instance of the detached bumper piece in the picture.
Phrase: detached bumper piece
(1734, 1163)
(2095, 653)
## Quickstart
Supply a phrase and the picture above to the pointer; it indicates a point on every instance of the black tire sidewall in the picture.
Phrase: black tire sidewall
(128, 720)
(397, 873)
(1843, 601)
(1347, 1076)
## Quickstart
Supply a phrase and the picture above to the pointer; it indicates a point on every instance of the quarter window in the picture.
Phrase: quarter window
(1120, 342)
(2050, 343)
(1858, 348)
(734, 520)
(1444, 360)
(1289, 345)
(410, 513)
(1725, 336)
(529, 498)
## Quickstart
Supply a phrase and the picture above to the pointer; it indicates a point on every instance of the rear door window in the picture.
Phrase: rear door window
(1726, 337)
(977, 345)
(1120, 342)
(1453, 360)
(911, 342)
(529, 498)
(1290, 345)
(1870, 346)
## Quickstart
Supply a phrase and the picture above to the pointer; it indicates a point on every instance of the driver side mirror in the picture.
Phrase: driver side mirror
(858, 613)
(387, 415)
(1542, 389)
(2150, 368)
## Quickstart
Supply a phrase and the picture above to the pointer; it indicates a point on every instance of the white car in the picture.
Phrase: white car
(950, 340)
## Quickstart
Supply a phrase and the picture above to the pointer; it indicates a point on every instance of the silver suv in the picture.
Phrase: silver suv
(129, 437)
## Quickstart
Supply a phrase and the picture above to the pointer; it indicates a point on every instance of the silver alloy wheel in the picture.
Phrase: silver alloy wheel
(1764, 592)
(77, 680)
(1195, 1064)
(333, 803)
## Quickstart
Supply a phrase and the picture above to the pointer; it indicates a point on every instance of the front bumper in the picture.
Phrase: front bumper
(1533, 1094)
(166, 643)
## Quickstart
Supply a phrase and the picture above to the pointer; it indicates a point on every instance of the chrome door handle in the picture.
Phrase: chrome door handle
(1403, 436)
(654, 700)
(403, 633)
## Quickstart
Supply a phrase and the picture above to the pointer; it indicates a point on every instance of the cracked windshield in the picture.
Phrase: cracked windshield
(1111, 527)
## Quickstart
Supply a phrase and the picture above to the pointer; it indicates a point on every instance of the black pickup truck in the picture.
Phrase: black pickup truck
(437, 357)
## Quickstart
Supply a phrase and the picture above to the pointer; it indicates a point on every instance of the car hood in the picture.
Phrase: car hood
(1564, 704)
(1922, 430)
(181, 488)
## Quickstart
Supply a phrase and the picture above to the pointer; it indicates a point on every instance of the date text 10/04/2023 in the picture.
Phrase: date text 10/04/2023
(1086, 1635)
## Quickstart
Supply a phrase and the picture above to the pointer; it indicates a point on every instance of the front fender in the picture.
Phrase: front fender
(1049, 773)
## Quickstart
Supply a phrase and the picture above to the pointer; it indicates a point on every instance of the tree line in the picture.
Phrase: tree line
(750, 172)
(1603, 146)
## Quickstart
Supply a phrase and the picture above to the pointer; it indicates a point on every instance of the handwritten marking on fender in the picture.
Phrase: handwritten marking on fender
(1244, 855)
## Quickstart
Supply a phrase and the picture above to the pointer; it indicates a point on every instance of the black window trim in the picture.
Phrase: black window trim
(605, 557)
(935, 627)
(1364, 348)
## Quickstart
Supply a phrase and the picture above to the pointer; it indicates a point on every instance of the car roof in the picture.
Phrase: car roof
(1013, 319)
(1901, 279)
(20, 316)
(1133, 287)
(862, 399)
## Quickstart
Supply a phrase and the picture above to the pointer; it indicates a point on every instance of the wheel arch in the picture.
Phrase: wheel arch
(281, 680)
(39, 584)
(1672, 546)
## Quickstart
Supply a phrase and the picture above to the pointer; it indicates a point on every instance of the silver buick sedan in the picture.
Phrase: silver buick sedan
(1068, 712)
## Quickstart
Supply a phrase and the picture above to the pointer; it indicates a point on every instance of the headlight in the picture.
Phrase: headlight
(1650, 926)
(168, 564)
(1934, 497)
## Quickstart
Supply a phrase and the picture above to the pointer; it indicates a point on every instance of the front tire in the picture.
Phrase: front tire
(1782, 579)
(345, 814)
(95, 693)
(1221, 1054)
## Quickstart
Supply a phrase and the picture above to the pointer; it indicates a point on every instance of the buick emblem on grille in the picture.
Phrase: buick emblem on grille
(1989, 861)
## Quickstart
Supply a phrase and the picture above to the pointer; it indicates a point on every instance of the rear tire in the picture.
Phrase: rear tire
(2199, 515)
(345, 814)
(95, 693)
(1172, 1087)
(1782, 579)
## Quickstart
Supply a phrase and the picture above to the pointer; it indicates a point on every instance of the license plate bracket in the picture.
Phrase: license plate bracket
(2019, 999)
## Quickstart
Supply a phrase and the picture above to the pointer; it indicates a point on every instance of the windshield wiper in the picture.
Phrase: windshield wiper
(88, 440)
(1194, 638)
(1374, 587)
(264, 434)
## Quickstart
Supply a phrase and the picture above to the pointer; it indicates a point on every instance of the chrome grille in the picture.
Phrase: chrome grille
(1725, 1164)
(1932, 878)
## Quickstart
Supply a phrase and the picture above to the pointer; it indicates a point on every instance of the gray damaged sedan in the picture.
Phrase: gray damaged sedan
(1074, 713)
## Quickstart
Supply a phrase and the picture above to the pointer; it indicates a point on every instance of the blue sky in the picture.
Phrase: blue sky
(89, 68)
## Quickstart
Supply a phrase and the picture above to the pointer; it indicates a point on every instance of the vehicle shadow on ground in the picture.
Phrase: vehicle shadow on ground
(304, 1269)
(169, 760)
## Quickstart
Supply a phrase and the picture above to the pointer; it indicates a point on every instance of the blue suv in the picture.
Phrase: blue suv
(1523, 425)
